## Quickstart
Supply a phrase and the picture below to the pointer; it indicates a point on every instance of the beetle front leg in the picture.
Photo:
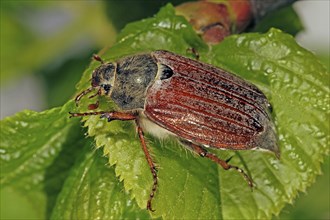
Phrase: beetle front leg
(122, 116)
(224, 163)
(151, 165)
(126, 116)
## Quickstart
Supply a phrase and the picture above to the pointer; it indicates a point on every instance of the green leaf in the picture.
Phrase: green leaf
(296, 83)
(314, 204)
(36, 151)
(45, 156)
(147, 35)
(39, 153)
(191, 187)
(92, 191)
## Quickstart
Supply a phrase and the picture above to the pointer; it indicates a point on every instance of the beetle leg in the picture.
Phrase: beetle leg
(224, 163)
(151, 165)
(83, 93)
(122, 116)
(229, 159)
(93, 106)
(126, 116)
(194, 52)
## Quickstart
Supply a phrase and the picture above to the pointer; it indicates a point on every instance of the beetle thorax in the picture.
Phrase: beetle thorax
(134, 75)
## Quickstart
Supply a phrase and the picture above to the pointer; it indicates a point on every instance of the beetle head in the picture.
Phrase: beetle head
(102, 79)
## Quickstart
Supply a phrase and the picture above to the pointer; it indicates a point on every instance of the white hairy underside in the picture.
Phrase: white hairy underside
(152, 128)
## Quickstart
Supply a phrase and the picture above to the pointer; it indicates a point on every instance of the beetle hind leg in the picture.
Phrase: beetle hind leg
(223, 163)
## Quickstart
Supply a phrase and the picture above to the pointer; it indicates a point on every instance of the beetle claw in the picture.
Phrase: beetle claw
(149, 207)
(229, 159)
(108, 116)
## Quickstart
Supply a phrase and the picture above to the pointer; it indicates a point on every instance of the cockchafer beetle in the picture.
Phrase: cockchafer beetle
(203, 106)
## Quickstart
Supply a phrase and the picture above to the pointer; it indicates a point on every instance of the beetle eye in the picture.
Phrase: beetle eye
(106, 88)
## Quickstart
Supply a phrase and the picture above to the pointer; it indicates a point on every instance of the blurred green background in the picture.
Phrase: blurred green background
(46, 45)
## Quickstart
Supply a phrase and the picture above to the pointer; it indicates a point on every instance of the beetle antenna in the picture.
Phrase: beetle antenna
(98, 58)
(96, 94)
(83, 93)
